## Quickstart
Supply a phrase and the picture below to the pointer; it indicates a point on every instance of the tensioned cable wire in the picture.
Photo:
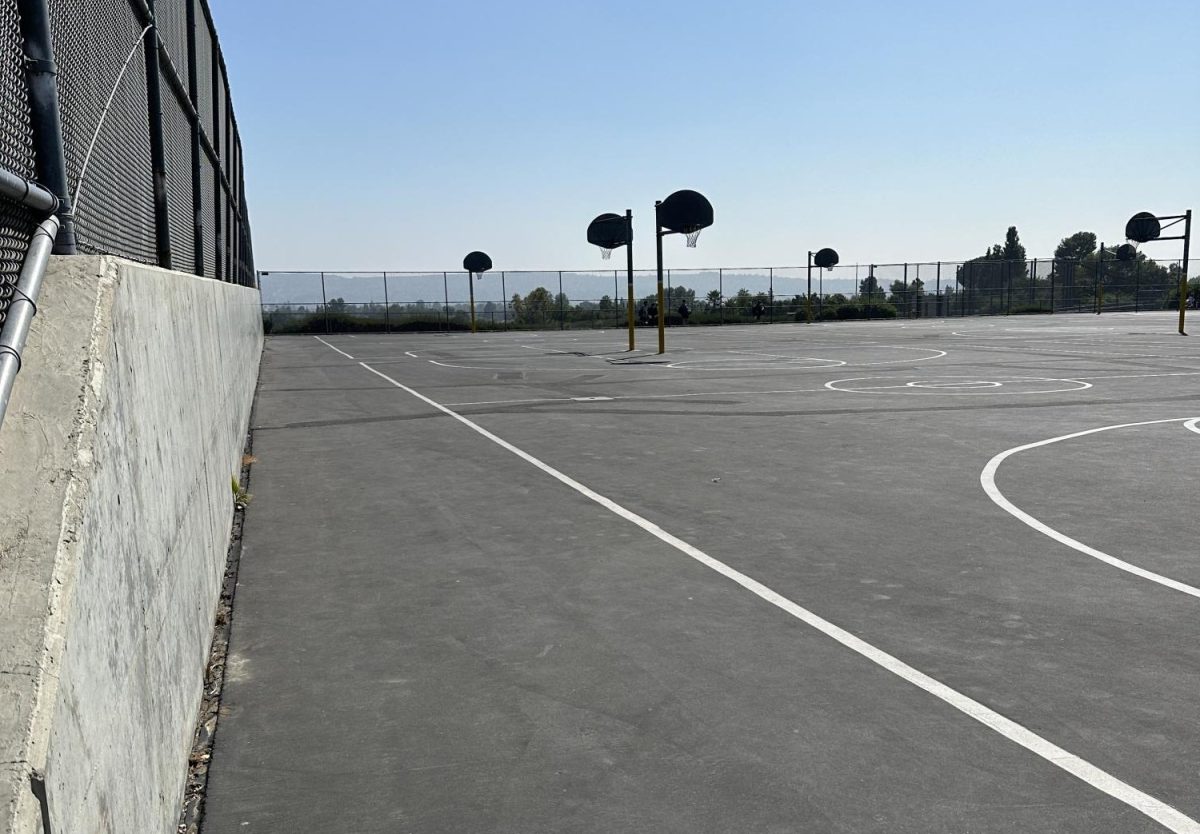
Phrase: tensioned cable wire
(103, 115)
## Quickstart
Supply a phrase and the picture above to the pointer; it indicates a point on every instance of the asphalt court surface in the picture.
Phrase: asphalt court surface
(923, 576)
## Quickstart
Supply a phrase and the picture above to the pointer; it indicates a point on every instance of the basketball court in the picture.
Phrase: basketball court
(920, 576)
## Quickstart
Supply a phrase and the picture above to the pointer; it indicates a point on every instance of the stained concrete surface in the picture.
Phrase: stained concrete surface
(126, 422)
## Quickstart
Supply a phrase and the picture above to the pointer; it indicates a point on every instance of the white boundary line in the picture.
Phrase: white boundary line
(1103, 781)
(339, 350)
(906, 388)
(987, 480)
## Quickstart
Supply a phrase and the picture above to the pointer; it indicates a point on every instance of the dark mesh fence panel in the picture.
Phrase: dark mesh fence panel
(208, 208)
(177, 135)
(171, 16)
(92, 39)
(227, 238)
(204, 65)
(219, 135)
(16, 139)
(16, 150)
(17, 225)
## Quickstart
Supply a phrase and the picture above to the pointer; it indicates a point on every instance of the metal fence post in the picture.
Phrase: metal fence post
(387, 315)
(667, 311)
(504, 299)
(158, 154)
(1008, 283)
(721, 293)
(562, 324)
(771, 292)
(215, 139)
(941, 312)
(1137, 286)
(446, 299)
(197, 181)
(324, 304)
(616, 299)
(45, 117)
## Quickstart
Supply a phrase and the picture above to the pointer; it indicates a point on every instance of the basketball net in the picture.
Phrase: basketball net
(692, 237)
(605, 253)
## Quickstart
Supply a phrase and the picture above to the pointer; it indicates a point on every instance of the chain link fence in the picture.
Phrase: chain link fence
(340, 302)
(159, 175)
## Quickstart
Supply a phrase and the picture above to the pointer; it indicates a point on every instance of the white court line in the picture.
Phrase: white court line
(987, 480)
(773, 356)
(410, 353)
(1153, 808)
(833, 384)
(339, 350)
(1193, 425)
(939, 355)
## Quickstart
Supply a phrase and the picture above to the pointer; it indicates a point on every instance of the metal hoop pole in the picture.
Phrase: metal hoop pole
(808, 295)
(629, 273)
(658, 235)
(471, 290)
(1187, 243)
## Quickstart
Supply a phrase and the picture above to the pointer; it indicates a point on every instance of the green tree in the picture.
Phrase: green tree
(1076, 247)
(714, 299)
(1001, 267)
(1016, 261)
(741, 300)
(1013, 250)
(535, 308)
(682, 293)
(868, 288)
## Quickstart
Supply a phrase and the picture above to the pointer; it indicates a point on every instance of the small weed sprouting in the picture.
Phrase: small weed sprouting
(240, 497)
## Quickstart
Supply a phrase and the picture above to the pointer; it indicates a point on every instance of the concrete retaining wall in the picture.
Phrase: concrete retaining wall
(127, 423)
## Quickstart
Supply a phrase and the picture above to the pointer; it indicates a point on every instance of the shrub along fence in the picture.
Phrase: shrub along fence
(347, 302)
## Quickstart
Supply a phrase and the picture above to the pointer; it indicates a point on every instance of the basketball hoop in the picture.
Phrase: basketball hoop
(608, 232)
(825, 259)
(692, 237)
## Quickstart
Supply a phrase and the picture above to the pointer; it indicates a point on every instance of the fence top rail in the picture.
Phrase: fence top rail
(619, 270)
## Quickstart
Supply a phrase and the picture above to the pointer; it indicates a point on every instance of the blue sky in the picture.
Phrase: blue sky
(401, 135)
